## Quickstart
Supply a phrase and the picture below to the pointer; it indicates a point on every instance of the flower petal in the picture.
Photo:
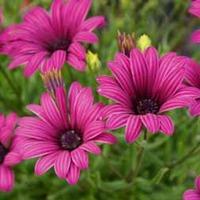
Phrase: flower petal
(80, 158)
(166, 124)
(133, 128)
(34, 63)
(116, 121)
(106, 138)
(59, 58)
(151, 122)
(91, 147)
(6, 179)
(62, 164)
(12, 158)
(73, 174)
(45, 163)
(92, 23)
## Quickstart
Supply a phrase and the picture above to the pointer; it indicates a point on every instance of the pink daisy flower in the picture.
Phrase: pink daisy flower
(195, 10)
(193, 194)
(45, 39)
(144, 86)
(63, 132)
(192, 77)
(9, 154)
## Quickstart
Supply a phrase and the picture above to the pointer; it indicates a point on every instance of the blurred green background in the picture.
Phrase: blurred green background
(170, 164)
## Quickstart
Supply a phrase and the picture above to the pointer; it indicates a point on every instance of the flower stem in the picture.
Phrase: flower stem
(185, 157)
(9, 81)
(139, 158)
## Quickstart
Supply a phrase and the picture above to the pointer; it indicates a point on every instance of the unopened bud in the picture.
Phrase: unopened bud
(126, 43)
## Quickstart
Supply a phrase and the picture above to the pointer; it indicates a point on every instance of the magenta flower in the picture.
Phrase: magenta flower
(195, 10)
(193, 79)
(193, 194)
(64, 130)
(9, 153)
(44, 40)
(143, 88)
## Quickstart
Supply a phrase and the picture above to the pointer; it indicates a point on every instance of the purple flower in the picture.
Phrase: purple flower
(193, 79)
(144, 86)
(65, 129)
(193, 194)
(49, 39)
(9, 151)
(195, 10)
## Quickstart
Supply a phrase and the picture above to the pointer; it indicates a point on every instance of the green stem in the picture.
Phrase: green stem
(185, 157)
(139, 158)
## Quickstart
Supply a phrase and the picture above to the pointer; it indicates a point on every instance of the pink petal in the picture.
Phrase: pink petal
(73, 174)
(6, 179)
(116, 121)
(12, 158)
(35, 128)
(195, 108)
(51, 110)
(106, 138)
(152, 61)
(86, 36)
(197, 183)
(133, 128)
(62, 164)
(166, 125)
(5, 136)
(78, 50)
(34, 63)
(195, 38)
(75, 62)
(33, 149)
(151, 122)
(93, 129)
(45, 163)
(82, 10)
(59, 58)
(183, 98)
(74, 89)
(82, 104)
(80, 158)
(11, 120)
(191, 195)
(56, 14)
(91, 147)
(61, 98)
(92, 23)
(114, 109)
(138, 70)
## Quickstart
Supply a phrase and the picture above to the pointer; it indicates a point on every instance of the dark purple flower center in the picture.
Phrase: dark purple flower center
(145, 106)
(59, 44)
(70, 140)
(3, 152)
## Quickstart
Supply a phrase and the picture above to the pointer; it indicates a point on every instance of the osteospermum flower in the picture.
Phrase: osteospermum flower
(193, 194)
(195, 10)
(144, 86)
(63, 131)
(45, 39)
(9, 154)
(192, 77)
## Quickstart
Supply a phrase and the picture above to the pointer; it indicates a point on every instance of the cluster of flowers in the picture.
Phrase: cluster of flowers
(67, 125)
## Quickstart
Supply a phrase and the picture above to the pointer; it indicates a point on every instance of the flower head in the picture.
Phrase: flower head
(9, 151)
(50, 39)
(144, 86)
(192, 77)
(63, 131)
(195, 10)
(193, 194)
